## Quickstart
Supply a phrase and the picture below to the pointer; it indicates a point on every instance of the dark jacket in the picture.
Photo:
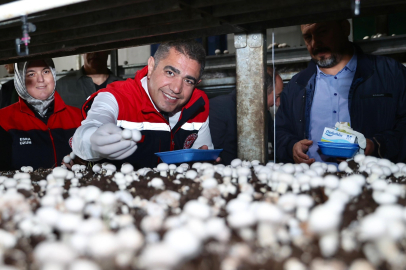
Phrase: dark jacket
(25, 140)
(76, 87)
(8, 94)
(376, 101)
(136, 111)
(223, 126)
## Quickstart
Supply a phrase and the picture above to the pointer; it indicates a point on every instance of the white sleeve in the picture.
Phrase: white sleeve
(104, 110)
(203, 136)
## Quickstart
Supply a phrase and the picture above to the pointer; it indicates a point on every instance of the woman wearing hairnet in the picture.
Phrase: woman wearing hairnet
(37, 130)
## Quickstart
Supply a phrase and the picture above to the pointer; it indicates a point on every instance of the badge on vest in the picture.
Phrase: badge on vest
(25, 141)
(189, 141)
(70, 142)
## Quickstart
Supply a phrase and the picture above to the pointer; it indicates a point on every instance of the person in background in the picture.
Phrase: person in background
(94, 75)
(37, 130)
(223, 118)
(8, 92)
(342, 84)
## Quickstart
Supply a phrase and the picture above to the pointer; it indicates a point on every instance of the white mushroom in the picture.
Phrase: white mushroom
(136, 135)
(209, 183)
(102, 245)
(304, 202)
(287, 202)
(236, 162)
(197, 209)
(126, 134)
(67, 159)
(96, 168)
(191, 174)
(54, 252)
(163, 168)
(329, 244)
(184, 242)
(372, 227)
(343, 166)
(83, 264)
(241, 219)
(127, 168)
(159, 256)
(322, 219)
(172, 168)
(243, 174)
(157, 183)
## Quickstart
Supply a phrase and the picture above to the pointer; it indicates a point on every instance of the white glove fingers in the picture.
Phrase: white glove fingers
(116, 149)
(127, 153)
(102, 140)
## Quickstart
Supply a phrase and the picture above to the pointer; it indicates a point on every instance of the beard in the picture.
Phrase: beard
(327, 62)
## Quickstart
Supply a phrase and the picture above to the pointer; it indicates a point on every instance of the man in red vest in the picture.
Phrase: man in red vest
(162, 102)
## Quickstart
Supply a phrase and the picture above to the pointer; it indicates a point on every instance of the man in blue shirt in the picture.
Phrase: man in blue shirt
(342, 84)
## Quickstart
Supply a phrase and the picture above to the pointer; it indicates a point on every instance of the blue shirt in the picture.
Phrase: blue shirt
(330, 104)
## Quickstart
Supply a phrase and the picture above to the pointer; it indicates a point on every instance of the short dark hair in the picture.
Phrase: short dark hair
(188, 47)
(269, 80)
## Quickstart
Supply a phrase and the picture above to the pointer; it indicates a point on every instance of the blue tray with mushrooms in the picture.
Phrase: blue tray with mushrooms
(189, 155)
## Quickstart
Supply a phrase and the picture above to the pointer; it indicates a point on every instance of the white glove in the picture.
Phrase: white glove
(108, 142)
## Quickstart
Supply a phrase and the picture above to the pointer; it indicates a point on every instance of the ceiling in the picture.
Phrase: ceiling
(106, 24)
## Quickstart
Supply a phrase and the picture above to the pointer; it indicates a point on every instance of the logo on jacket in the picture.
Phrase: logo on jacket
(25, 141)
(70, 141)
(189, 141)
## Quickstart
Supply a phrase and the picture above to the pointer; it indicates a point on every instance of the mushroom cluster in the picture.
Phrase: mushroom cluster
(189, 216)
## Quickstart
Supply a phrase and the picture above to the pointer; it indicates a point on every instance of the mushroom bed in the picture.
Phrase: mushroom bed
(204, 216)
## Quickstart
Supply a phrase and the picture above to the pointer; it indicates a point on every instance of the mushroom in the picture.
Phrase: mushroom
(96, 168)
(54, 252)
(184, 242)
(342, 166)
(371, 227)
(236, 162)
(191, 174)
(287, 202)
(163, 168)
(235, 205)
(157, 183)
(102, 245)
(288, 168)
(322, 219)
(329, 243)
(197, 209)
(127, 168)
(83, 264)
(126, 134)
(158, 256)
(304, 202)
(266, 212)
(209, 183)
(67, 159)
(74, 204)
(243, 174)
(172, 168)
(241, 219)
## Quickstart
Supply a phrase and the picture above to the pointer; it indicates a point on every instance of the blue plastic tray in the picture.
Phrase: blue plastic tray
(188, 155)
(343, 150)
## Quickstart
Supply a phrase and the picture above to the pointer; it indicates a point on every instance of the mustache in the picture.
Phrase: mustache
(320, 50)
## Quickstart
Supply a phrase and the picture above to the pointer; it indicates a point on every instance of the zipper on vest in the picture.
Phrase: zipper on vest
(53, 146)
